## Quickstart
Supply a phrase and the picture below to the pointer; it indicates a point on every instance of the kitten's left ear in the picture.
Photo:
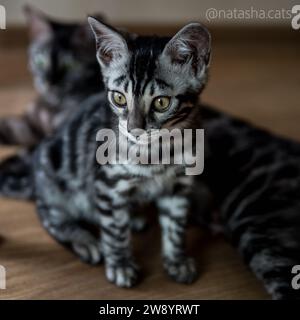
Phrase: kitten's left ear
(111, 45)
(191, 43)
(39, 24)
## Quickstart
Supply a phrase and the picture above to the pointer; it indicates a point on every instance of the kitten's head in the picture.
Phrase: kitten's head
(153, 82)
(61, 56)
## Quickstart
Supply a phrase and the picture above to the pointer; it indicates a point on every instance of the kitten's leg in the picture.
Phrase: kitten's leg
(115, 244)
(173, 220)
(69, 233)
(16, 179)
(19, 130)
(29, 128)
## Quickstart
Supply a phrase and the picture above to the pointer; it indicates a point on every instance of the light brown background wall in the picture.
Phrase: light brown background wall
(146, 11)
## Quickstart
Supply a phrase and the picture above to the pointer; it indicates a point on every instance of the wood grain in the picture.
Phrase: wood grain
(257, 81)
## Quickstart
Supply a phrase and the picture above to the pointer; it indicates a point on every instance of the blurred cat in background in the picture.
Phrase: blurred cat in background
(65, 72)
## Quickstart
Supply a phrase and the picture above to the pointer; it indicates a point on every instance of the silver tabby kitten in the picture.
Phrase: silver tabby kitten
(151, 83)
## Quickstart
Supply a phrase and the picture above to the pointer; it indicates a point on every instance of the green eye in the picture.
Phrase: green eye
(161, 104)
(69, 64)
(118, 99)
(41, 60)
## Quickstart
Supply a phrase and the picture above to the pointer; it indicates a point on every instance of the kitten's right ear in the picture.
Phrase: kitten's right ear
(191, 43)
(111, 45)
(38, 22)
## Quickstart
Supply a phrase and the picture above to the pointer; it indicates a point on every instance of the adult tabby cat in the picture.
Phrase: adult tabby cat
(254, 177)
(65, 72)
(151, 83)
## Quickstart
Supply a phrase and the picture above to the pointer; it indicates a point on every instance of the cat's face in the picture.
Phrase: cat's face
(152, 82)
(60, 56)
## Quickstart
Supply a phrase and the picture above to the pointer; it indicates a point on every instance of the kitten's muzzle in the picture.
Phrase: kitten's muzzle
(135, 121)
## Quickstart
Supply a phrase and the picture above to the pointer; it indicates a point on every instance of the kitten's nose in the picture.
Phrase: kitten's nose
(135, 120)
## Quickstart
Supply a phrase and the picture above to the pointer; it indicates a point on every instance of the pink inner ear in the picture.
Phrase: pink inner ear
(110, 43)
(192, 42)
(39, 27)
(177, 56)
(106, 56)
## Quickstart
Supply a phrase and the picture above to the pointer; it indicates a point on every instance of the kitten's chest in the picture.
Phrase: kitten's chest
(150, 188)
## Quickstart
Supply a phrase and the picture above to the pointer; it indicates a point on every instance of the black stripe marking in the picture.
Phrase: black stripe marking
(120, 80)
(163, 84)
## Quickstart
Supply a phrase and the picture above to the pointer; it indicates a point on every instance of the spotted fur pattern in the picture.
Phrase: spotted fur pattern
(72, 188)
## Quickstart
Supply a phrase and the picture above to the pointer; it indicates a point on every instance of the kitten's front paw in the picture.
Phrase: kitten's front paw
(182, 271)
(124, 275)
(88, 252)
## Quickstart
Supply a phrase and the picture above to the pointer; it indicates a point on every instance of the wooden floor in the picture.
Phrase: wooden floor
(259, 82)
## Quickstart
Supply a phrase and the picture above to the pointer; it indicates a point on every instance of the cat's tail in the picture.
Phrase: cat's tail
(16, 176)
(270, 245)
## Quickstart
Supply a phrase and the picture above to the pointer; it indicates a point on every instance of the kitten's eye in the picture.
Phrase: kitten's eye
(161, 104)
(118, 99)
(41, 60)
(69, 64)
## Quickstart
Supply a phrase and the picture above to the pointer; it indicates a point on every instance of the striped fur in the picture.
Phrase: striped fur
(65, 72)
(72, 188)
(254, 177)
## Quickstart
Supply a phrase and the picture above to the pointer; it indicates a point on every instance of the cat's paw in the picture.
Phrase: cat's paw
(123, 275)
(182, 271)
(138, 224)
(88, 252)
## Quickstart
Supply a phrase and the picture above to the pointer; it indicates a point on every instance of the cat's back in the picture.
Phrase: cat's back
(241, 155)
(225, 133)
